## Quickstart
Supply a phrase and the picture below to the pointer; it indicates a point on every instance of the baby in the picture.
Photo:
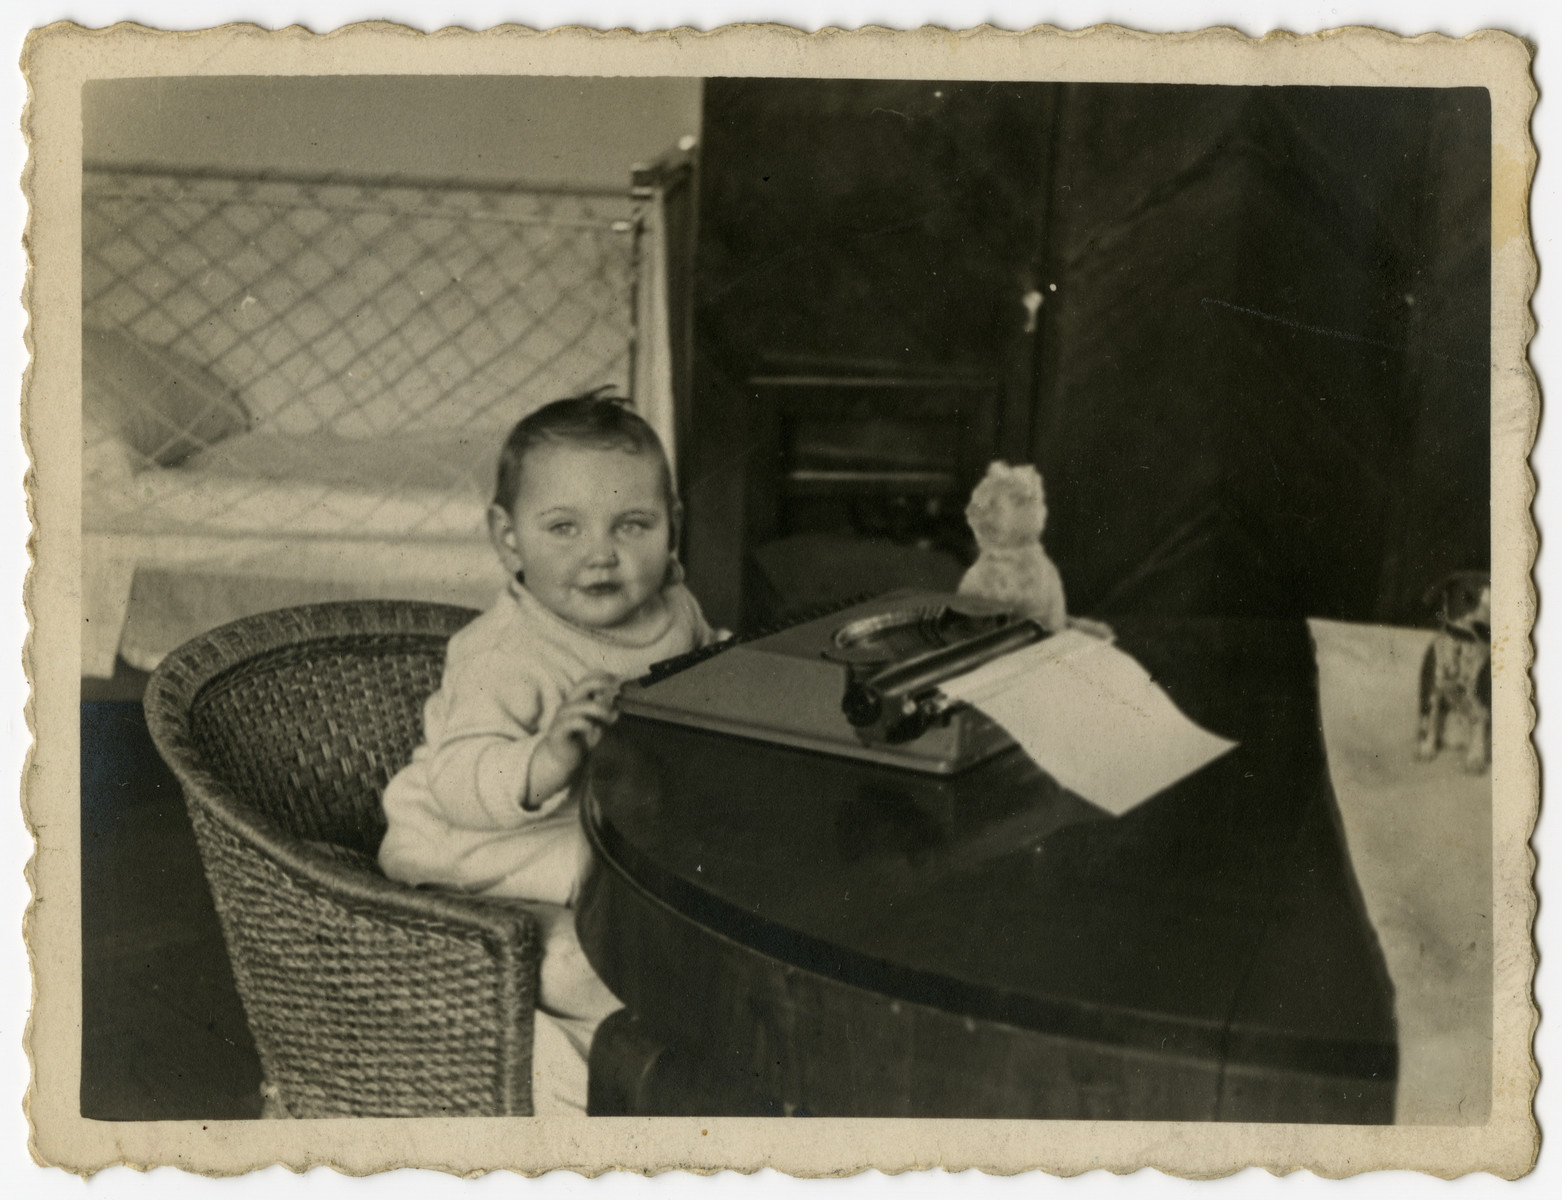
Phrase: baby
(585, 519)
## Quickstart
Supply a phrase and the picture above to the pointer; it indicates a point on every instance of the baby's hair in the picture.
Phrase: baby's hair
(593, 418)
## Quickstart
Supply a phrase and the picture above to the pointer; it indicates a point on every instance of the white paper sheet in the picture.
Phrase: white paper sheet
(1091, 717)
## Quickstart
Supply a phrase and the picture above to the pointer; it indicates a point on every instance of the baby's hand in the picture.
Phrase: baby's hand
(589, 707)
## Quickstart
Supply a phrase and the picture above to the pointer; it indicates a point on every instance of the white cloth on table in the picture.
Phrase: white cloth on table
(1419, 837)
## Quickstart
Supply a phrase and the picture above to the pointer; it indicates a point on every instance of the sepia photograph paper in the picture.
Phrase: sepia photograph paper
(598, 594)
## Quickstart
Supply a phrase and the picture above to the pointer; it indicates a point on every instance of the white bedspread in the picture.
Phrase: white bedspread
(167, 601)
(263, 520)
(410, 486)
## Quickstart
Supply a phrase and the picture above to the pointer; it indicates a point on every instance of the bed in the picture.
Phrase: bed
(295, 389)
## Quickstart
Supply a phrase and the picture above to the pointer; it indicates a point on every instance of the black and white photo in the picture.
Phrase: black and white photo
(947, 590)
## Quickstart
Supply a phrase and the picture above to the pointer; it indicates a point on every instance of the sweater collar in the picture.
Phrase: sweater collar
(646, 631)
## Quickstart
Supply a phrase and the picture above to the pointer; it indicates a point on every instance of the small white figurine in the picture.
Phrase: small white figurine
(1007, 513)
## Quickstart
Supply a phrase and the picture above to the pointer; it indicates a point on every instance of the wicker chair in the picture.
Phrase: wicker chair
(365, 997)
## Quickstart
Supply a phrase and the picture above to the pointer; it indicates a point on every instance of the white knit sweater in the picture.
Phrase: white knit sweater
(454, 813)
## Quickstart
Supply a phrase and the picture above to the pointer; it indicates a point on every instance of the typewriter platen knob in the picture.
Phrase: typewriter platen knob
(889, 720)
(861, 704)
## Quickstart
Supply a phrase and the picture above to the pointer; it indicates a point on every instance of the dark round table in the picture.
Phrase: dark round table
(799, 933)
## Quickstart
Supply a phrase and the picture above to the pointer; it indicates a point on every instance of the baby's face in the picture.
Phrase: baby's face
(591, 531)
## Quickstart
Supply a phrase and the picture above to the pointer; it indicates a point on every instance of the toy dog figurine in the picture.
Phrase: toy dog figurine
(1007, 513)
(1456, 673)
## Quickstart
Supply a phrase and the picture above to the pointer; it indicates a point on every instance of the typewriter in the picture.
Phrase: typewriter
(862, 681)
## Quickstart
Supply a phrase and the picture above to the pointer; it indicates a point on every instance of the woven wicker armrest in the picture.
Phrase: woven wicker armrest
(355, 880)
(365, 997)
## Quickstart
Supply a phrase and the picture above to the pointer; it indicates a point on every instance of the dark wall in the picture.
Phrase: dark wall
(1259, 380)
(872, 219)
(1263, 383)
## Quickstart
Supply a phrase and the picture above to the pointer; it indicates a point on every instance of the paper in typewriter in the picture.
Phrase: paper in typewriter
(1092, 718)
